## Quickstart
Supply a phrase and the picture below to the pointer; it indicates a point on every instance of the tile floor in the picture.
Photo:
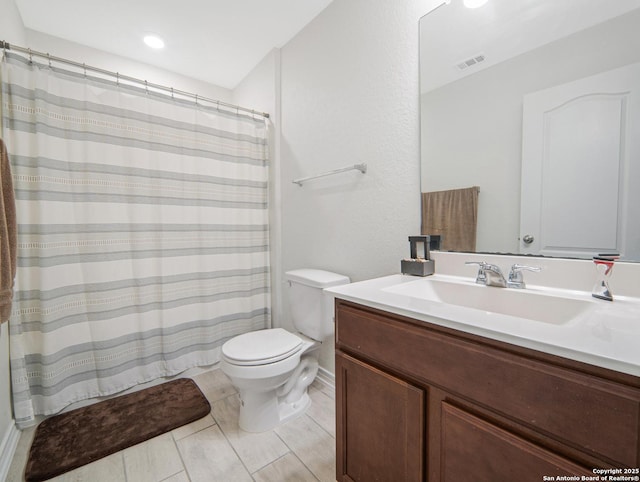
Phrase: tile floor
(214, 448)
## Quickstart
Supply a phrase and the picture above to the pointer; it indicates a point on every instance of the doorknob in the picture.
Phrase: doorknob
(527, 239)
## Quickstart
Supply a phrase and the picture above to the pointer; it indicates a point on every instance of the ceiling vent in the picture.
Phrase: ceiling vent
(470, 62)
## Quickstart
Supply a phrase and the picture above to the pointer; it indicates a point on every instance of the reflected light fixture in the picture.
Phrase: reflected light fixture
(154, 41)
(474, 3)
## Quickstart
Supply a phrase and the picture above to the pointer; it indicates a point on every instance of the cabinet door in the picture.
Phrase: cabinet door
(380, 425)
(475, 449)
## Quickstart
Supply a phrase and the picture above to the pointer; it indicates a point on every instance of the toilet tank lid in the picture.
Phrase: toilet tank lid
(316, 278)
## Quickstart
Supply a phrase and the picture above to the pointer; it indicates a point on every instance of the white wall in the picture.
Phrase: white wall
(97, 58)
(11, 25)
(11, 30)
(6, 412)
(350, 95)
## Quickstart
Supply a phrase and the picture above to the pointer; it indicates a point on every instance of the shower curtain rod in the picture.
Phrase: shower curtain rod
(6, 46)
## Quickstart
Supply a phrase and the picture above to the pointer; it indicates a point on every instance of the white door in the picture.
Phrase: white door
(581, 167)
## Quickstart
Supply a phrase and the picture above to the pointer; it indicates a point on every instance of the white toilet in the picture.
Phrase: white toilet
(272, 369)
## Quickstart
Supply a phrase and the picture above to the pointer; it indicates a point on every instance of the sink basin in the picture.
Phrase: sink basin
(526, 303)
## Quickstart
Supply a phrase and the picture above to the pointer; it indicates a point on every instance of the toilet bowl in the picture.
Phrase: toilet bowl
(272, 368)
(272, 385)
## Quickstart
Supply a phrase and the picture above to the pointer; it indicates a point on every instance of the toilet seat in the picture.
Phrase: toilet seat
(261, 347)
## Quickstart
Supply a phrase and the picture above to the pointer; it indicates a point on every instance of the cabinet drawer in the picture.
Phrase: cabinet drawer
(589, 413)
(474, 449)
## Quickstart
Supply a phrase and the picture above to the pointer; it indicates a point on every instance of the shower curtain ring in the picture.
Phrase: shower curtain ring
(146, 86)
(172, 93)
(118, 79)
(30, 56)
(49, 59)
(84, 69)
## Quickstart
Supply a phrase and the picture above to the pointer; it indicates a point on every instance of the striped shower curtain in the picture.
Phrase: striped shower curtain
(142, 234)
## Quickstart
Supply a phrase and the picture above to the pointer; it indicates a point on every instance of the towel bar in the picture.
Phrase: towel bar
(359, 167)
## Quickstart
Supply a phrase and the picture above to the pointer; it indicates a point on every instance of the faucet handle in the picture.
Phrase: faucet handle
(516, 279)
(479, 263)
(481, 277)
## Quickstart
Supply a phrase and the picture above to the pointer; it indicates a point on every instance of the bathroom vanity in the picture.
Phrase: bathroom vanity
(422, 394)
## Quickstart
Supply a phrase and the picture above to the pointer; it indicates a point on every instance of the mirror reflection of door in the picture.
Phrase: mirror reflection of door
(580, 141)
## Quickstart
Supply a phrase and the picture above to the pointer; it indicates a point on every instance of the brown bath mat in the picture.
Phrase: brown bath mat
(70, 440)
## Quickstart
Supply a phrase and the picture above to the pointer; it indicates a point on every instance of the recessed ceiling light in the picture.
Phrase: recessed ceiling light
(154, 41)
(474, 3)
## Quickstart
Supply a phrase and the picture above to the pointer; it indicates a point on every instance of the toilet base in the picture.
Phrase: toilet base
(264, 410)
(260, 412)
(289, 411)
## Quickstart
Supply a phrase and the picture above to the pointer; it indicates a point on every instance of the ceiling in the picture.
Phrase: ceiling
(216, 41)
(500, 30)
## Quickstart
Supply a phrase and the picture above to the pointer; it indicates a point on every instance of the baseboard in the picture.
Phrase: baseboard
(327, 378)
(8, 449)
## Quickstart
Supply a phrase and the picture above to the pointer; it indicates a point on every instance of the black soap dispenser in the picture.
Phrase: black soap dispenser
(418, 265)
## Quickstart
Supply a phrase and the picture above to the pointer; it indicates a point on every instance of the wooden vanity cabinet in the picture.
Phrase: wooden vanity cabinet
(416, 401)
(385, 424)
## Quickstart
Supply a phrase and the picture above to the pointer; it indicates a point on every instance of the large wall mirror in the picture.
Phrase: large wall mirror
(537, 103)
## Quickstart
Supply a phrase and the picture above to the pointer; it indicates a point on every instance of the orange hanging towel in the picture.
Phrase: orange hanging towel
(8, 235)
(453, 215)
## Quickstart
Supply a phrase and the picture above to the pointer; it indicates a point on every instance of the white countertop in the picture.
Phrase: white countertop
(608, 335)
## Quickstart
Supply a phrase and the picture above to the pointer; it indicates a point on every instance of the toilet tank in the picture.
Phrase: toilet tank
(311, 308)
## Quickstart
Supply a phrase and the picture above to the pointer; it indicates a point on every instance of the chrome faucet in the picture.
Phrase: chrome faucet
(515, 275)
(491, 275)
